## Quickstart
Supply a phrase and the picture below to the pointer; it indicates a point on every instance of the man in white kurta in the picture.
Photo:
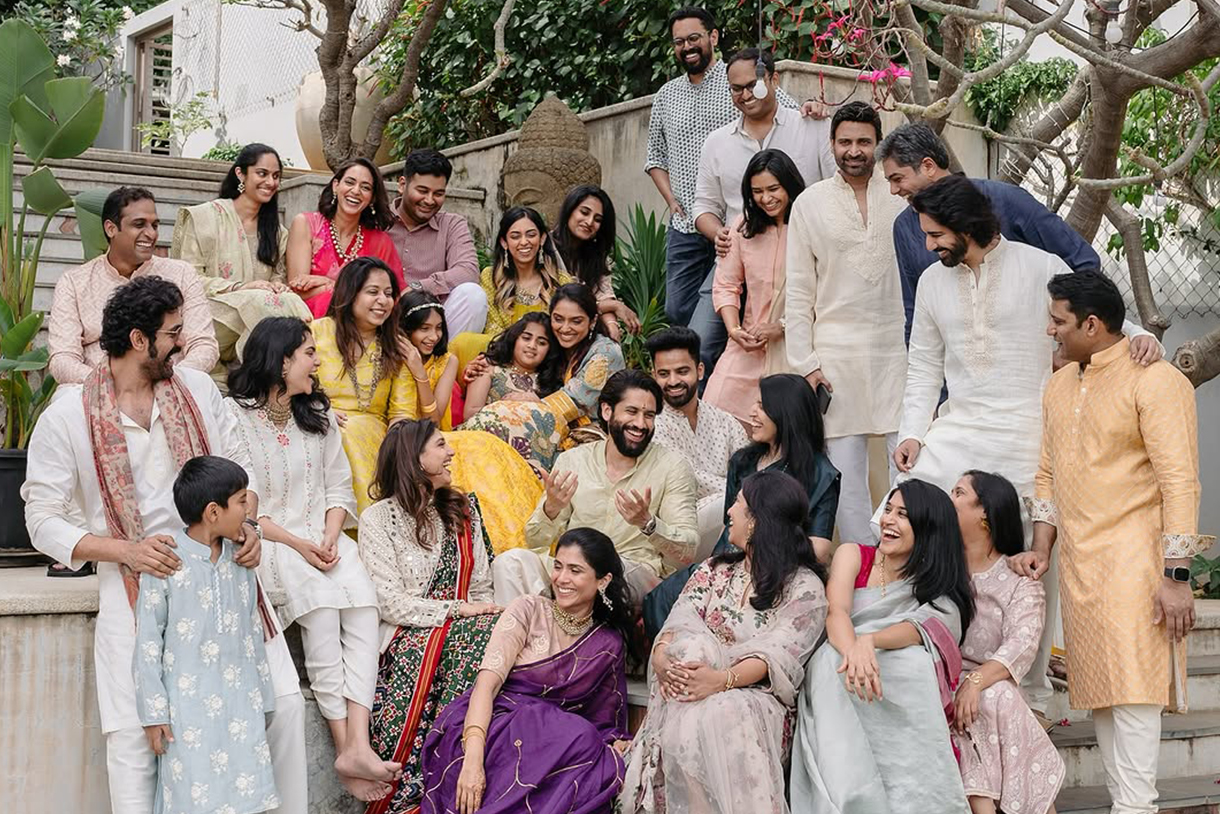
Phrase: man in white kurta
(66, 518)
(844, 313)
(980, 324)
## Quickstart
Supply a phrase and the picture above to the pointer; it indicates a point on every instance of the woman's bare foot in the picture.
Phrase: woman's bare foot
(363, 763)
(366, 791)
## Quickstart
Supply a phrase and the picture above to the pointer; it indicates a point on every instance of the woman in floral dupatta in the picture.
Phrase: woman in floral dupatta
(423, 545)
(872, 733)
(728, 664)
(545, 725)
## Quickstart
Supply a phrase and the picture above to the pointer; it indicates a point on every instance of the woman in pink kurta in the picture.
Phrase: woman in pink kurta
(352, 221)
(1008, 762)
(755, 262)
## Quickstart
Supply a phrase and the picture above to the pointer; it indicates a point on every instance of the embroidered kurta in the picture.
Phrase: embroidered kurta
(756, 265)
(1006, 756)
(300, 477)
(201, 668)
(1119, 478)
(707, 448)
(844, 303)
(75, 324)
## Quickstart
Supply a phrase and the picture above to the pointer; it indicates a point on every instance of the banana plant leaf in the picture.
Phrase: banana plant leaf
(67, 126)
(18, 338)
(88, 205)
(26, 65)
(43, 193)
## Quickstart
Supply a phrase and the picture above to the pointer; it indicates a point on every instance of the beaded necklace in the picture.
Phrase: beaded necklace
(353, 249)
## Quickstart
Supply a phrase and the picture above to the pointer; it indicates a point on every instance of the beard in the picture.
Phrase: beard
(953, 256)
(705, 59)
(679, 399)
(158, 369)
(858, 170)
(625, 447)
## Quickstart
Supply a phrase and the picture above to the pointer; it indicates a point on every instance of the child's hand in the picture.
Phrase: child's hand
(159, 737)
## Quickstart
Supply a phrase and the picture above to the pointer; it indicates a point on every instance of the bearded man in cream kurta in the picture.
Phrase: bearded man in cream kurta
(845, 316)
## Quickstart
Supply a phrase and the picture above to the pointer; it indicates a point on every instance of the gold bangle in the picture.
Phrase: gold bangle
(731, 681)
(974, 677)
(466, 733)
(418, 379)
(429, 407)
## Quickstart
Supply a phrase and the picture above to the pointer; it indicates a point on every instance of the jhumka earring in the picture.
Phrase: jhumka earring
(601, 591)
(241, 187)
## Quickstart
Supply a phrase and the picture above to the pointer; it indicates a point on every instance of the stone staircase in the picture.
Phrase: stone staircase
(1189, 768)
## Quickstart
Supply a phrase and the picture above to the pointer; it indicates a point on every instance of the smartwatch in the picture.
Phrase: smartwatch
(650, 526)
(1179, 574)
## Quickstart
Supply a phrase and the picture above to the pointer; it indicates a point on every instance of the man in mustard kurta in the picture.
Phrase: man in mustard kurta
(1118, 483)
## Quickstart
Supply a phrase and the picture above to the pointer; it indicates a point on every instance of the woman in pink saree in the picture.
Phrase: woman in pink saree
(352, 218)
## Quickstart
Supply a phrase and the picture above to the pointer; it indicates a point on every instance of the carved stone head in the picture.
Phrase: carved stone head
(552, 157)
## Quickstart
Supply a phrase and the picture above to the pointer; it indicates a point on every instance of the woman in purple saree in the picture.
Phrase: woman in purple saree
(545, 726)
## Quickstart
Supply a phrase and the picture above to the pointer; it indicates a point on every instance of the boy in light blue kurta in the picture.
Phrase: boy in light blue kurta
(203, 687)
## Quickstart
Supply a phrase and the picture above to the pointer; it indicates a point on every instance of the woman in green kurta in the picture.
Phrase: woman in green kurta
(236, 243)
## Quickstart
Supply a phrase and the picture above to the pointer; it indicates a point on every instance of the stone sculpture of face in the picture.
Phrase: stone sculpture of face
(536, 189)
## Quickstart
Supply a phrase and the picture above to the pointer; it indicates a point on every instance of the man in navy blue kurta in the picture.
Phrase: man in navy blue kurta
(913, 157)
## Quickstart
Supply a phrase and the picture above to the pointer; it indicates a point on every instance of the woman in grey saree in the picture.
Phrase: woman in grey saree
(872, 732)
(727, 666)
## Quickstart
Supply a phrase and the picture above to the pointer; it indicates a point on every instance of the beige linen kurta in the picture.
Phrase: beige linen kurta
(1119, 478)
(844, 303)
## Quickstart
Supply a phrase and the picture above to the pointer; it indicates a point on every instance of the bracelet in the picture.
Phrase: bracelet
(466, 733)
(731, 681)
(429, 407)
(418, 379)
(974, 677)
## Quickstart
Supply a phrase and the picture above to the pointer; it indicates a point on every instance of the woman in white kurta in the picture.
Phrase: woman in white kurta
(312, 568)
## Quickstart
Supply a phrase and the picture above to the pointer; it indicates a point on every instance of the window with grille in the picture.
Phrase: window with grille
(154, 70)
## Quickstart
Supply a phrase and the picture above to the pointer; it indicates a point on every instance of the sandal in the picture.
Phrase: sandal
(62, 571)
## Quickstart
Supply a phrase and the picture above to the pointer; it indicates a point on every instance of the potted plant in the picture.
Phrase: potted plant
(47, 118)
(639, 281)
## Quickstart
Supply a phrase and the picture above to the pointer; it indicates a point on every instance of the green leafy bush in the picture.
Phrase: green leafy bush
(1205, 577)
(82, 35)
(639, 281)
(996, 101)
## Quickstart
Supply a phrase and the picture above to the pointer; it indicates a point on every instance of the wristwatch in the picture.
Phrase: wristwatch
(252, 523)
(650, 526)
(1179, 574)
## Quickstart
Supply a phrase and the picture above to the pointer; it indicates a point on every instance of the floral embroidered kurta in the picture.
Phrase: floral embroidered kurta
(844, 303)
(1006, 756)
(726, 753)
(301, 476)
(1119, 478)
(200, 667)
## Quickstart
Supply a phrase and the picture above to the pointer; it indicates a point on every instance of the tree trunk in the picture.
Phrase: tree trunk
(1137, 267)
(1051, 126)
(1199, 358)
(1109, 110)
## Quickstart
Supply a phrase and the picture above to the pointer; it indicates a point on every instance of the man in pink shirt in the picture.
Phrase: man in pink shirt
(129, 217)
(437, 251)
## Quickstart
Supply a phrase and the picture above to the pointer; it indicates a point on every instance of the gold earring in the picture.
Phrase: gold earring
(986, 526)
(241, 187)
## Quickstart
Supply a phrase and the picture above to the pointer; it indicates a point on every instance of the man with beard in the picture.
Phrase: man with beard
(704, 435)
(844, 309)
(684, 111)
(980, 325)
(639, 494)
(101, 464)
(912, 157)
(129, 218)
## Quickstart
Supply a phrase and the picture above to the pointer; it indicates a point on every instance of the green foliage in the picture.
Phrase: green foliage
(225, 151)
(996, 101)
(184, 119)
(639, 281)
(49, 119)
(1205, 576)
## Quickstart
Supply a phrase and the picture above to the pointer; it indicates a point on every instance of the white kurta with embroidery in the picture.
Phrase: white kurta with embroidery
(300, 477)
(844, 303)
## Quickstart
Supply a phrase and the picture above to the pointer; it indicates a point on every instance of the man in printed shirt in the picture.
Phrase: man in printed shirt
(638, 493)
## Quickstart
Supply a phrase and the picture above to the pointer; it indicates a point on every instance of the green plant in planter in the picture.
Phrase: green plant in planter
(639, 281)
(48, 118)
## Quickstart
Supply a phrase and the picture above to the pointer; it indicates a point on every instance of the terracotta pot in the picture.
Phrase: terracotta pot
(312, 93)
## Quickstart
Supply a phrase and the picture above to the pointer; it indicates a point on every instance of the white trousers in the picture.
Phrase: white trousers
(1036, 685)
(466, 309)
(131, 766)
(849, 454)
(341, 655)
(520, 572)
(1129, 739)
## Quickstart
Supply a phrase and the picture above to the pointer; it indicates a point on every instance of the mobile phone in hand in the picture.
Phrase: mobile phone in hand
(823, 395)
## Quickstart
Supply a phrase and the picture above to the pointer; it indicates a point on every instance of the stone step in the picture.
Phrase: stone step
(1199, 794)
(1202, 690)
(1204, 640)
(74, 180)
(1190, 745)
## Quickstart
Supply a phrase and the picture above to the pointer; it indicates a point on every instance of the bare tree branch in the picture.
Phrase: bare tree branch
(1199, 358)
(365, 45)
(306, 23)
(1137, 267)
(501, 52)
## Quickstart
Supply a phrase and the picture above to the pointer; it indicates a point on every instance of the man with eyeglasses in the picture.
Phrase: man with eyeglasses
(129, 218)
(684, 112)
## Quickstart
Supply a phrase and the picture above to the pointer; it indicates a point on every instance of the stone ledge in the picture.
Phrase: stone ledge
(28, 591)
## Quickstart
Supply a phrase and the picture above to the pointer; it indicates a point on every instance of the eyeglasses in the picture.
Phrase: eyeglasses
(738, 90)
(172, 333)
(692, 40)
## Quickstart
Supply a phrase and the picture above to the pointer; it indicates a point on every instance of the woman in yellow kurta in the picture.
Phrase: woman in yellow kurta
(237, 243)
(522, 277)
(506, 486)
(361, 366)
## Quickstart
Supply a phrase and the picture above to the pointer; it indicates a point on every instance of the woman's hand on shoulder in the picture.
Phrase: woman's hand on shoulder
(475, 368)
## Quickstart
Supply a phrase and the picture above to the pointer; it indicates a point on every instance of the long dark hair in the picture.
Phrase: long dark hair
(269, 213)
(600, 554)
(504, 270)
(273, 341)
(400, 476)
(352, 278)
(779, 547)
(1001, 508)
(587, 261)
(790, 402)
(550, 370)
(937, 565)
(413, 310)
(582, 295)
(377, 214)
(779, 164)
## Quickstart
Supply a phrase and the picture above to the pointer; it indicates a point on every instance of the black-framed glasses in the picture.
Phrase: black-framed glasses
(692, 40)
(738, 90)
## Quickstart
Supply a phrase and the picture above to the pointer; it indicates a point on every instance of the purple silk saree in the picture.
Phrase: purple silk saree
(549, 743)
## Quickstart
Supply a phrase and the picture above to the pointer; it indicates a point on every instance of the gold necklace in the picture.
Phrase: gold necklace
(568, 623)
(363, 400)
(356, 245)
(880, 563)
(279, 415)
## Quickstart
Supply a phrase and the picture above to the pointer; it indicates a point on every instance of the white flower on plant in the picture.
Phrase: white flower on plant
(128, 13)
(72, 22)
(69, 34)
(63, 60)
